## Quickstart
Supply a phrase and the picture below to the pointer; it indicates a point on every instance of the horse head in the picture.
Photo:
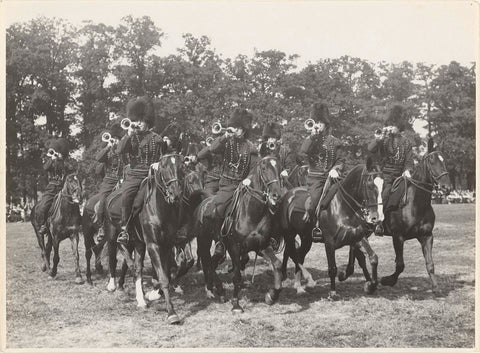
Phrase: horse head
(362, 190)
(167, 177)
(267, 178)
(73, 188)
(435, 171)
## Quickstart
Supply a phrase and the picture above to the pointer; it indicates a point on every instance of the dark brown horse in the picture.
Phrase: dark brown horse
(346, 221)
(63, 222)
(253, 207)
(416, 219)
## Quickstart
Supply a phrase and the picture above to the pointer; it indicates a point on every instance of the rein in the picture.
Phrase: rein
(427, 169)
(162, 184)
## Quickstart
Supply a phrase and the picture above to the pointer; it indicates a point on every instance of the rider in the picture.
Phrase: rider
(144, 148)
(273, 145)
(57, 167)
(213, 164)
(325, 158)
(394, 151)
(238, 156)
(113, 168)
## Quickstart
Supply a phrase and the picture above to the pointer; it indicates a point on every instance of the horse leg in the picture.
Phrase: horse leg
(302, 253)
(273, 294)
(98, 258)
(427, 247)
(332, 266)
(41, 243)
(237, 276)
(88, 241)
(291, 251)
(56, 257)
(160, 258)
(365, 248)
(48, 249)
(139, 257)
(74, 241)
(203, 252)
(112, 264)
(285, 260)
(399, 264)
(350, 267)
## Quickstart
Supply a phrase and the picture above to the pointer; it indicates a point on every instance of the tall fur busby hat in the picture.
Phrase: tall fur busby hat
(116, 130)
(397, 117)
(141, 109)
(320, 113)
(240, 118)
(60, 145)
(273, 130)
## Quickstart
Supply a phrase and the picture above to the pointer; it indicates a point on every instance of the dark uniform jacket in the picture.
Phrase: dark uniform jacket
(283, 153)
(394, 154)
(112, 162)
(143, 148)
(212, 162)
(322, 153)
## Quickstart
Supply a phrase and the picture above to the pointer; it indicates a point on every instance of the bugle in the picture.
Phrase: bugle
(52, 153)
(126, 124)
(106, 137)
(218, 129)
(209, 141)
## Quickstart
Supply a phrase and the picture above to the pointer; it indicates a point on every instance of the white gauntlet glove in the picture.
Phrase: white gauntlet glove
(284, 173)
(246, 182)
(333, 174)
(155, 166)
(407, 174)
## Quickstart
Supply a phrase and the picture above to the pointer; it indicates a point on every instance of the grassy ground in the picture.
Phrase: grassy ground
(59, 313)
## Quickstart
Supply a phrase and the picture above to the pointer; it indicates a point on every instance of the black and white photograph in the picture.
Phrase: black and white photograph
(238, 175)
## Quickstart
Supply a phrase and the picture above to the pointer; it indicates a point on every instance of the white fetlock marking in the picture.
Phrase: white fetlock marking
(301, 290)
(178, 290)
(379, 184)
(112, 285)
(210, 295)
(139, 293)
(153, 295)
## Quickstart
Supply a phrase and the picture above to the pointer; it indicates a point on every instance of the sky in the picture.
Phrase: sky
(434, 32)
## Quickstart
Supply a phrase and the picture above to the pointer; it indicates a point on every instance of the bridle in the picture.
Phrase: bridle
(68, 196)
(187, 186)
(163, 184)
(360, 209)
(427, 167)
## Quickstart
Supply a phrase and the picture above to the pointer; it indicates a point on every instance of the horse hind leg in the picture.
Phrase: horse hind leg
(74, 241)
(349, 267)
(237, 277)
(427, 247)
(272, 295)
(366, 249)
(399, 263)
(89, 244)
(56, 257)
(302, 253)
(41, 242)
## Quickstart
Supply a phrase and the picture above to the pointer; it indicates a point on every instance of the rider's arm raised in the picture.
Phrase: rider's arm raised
(102, 156)
(125, 145)
(218, 145)
(305, 150)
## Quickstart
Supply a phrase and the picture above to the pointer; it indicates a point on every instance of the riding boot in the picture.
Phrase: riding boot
(100, 235)
(317, 234)
(123, 237)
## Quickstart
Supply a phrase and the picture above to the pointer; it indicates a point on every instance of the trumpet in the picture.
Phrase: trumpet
(126, 124)
(309, 124)
(218, 129)
(52, 153)
(209, 141)
(106, 137)
(189, 159)
(272, 145)
(387, 130)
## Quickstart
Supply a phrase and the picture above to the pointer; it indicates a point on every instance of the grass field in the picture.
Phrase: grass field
(59, 313)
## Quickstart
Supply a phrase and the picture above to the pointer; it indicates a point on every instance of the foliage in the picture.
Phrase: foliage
(69, 81)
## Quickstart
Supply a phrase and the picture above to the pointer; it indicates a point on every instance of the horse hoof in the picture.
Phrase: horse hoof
(153, 295)
(44, 268)
(301, 291)
(237, 309)
(341, 276)
(142, 306)
(89, 281)
(173, 319)
(388, 281)
(333, 296)
(51, 278)
(210, 294)
(178, 290)
(78, 280)
(369, 287)
(268, 299)
(111, 288)
(222, 299)
(311, 284)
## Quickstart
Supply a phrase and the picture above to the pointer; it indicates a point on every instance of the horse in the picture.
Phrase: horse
(252, 209)
(298, 176)
(63, 222)
(345, 221)
(416, 219)
(156, 228)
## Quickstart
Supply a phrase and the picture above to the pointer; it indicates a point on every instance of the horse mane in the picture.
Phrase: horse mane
(351, 179)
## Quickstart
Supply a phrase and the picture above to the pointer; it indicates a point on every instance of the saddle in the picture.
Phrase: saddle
(398, 195)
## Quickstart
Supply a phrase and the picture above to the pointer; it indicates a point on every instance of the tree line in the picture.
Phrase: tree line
(66, 80)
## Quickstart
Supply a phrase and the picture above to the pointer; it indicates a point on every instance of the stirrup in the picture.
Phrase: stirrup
(123, 237)
(220, 251)
(317, 235)
(226, 227)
